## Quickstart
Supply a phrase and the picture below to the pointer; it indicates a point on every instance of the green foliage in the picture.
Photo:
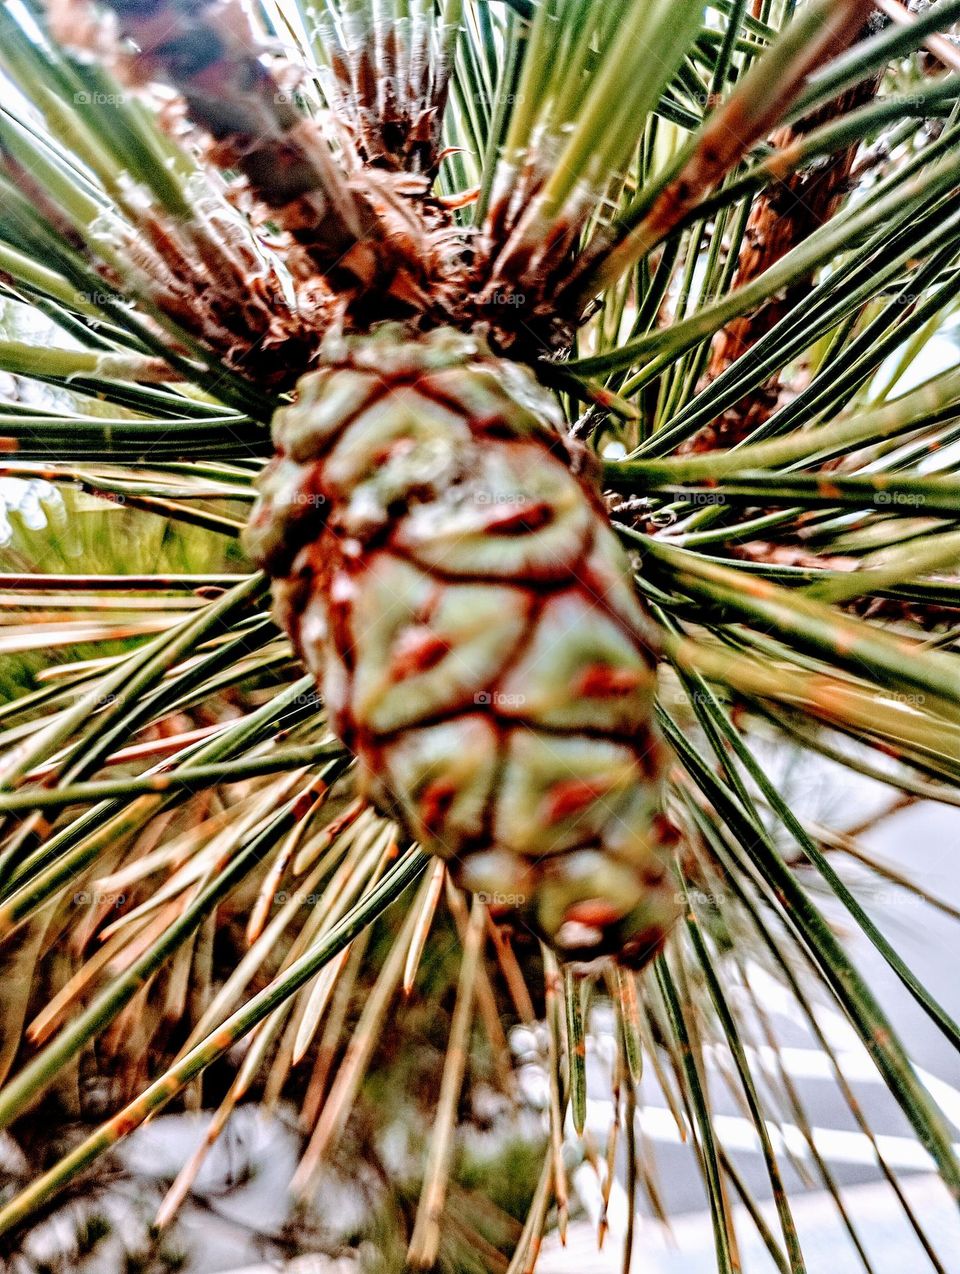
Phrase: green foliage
(186, 881)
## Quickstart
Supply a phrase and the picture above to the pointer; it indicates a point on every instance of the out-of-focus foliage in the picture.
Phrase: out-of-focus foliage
(735, 261)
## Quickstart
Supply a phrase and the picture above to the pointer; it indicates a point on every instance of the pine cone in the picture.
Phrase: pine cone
(444, 566)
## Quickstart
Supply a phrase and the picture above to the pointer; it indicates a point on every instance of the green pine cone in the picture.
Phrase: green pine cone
(444, 565)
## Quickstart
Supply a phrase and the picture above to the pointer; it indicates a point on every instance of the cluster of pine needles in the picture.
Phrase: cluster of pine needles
(726, 234)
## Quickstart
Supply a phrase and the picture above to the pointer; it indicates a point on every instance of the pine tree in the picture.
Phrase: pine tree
(546, 360)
